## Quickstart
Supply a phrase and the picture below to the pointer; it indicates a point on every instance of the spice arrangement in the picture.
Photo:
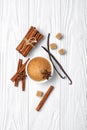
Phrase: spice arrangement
(39, 68)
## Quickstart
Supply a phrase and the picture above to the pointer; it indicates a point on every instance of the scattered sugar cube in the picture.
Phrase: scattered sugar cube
(39, 94)
(53, 46)
(59, 36)
(61, 51)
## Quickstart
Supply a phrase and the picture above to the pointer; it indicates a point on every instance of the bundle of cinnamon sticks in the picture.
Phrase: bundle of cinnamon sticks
(32, 37)
(20, 75)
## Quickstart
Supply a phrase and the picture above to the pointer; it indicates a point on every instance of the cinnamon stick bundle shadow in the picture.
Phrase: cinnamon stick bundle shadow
(32, 37)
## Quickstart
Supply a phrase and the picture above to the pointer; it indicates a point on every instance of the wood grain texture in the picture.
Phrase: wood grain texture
(66, 108)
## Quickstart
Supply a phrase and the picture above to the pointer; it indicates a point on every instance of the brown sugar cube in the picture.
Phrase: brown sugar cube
(39, 94)
(61, 51)
(59, 36)
(53, 46)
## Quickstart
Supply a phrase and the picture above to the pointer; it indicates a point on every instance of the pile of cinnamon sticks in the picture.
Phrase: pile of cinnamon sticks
(30, 40)
(32, 37)
(20, 75)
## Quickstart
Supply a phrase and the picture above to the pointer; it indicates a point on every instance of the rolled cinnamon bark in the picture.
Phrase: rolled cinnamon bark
(23, 81)
(19, 47)
(26, 49)
(38, 37)
(44, 98)
(31, 33)
(19, 65)
(21, 69)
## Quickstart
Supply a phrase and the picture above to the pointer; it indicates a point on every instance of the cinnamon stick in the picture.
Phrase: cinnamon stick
(28, 35)
(41, 36)
(19, 47)
(19, 65)
(29, 48)
(26, 50)
(44, 98)
(21, 69)
(23, 81)
(31, 33)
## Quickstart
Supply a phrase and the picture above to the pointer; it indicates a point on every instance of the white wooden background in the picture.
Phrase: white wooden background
(66, 108)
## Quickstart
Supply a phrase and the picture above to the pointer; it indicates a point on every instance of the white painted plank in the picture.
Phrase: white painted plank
(73, 99)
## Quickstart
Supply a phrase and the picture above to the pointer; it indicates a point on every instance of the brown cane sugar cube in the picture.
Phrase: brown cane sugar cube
(39, 94)
(53, 46)
(59, 36)
(61, 51)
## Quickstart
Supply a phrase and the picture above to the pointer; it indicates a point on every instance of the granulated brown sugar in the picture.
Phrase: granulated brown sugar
(37, 67)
